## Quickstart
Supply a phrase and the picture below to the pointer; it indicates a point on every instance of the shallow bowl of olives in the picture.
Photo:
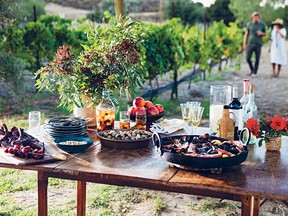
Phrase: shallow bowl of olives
(125, 139)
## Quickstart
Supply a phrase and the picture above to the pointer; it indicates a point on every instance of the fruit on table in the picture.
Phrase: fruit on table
(148, 104)
(140, 110)
(159, 107)
(138, 102)
(132, 110)
(152, 110)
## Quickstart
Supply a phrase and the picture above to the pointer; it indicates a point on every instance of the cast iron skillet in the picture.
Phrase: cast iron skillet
(197, 162)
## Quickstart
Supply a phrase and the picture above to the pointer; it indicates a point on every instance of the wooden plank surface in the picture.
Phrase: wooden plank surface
(140, 163)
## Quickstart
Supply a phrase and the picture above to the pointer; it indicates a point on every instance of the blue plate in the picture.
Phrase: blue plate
(73, 148)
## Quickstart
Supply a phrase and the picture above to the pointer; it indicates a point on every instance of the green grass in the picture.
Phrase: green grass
(9, 207)
(159, 204)
(213, 208)
(12, 180)
(112, 200)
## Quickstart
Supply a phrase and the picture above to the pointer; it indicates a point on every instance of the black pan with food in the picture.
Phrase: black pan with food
(202, 152)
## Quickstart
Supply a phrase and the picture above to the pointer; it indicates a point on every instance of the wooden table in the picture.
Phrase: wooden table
(262, 175)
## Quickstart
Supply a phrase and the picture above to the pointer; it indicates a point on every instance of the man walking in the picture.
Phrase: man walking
(253, 35)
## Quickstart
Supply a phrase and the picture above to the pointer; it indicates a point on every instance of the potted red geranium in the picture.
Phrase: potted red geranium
(269, 130)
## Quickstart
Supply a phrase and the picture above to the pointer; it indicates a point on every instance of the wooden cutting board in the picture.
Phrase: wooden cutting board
(26, 161)
(50, 149)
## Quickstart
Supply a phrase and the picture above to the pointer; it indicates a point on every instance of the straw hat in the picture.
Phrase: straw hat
(278, 21)
(255, 14)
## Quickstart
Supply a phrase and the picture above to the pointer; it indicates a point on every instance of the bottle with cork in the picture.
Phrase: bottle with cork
(251, 111)
(225, 125)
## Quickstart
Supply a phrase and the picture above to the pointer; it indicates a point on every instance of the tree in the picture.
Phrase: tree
(11, 68)
(26, 9)
(189, 12)
(110, 6)
(119, 8)
(268, 11)
(8, 12)
(220, 11)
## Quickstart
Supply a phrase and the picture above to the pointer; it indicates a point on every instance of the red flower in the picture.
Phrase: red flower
(278, 123)
(253, 126)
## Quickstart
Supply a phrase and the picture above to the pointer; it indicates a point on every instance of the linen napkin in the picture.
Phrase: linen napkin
(168, 126)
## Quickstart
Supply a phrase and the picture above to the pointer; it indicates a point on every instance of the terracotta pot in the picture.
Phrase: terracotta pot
(86, 112)
(274, 144)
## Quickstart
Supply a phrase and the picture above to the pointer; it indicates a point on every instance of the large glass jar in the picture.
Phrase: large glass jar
(220, 95)
(105, 112)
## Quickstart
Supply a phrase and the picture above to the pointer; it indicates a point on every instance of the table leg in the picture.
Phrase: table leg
(246, 206)
(256, 206)
(81, 198)
(42, 193)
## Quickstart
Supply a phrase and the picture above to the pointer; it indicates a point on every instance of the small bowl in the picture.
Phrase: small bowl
(73, 148)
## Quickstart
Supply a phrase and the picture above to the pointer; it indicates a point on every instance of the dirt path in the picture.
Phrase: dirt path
(270, 93)
(65, 12)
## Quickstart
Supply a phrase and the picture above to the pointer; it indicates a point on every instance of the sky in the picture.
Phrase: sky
(206, 3)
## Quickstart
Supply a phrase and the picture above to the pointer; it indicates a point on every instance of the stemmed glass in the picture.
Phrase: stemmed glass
(196, 113)
(185, 110)
(190, 114)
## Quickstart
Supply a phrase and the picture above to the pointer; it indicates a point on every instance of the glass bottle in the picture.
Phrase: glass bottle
(105, 112)
(251, 111)
(245, 97)
(235, 107)
(225, 125)
(244, 101)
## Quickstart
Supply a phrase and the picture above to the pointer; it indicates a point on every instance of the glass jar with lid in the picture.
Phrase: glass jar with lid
(105, 112)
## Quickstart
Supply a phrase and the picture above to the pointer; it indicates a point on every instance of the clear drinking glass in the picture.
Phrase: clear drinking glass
(220, 95)
(196, 115)
(124, 120)
(194, 103)
(185, 110)
(34, 119)
(141, 119)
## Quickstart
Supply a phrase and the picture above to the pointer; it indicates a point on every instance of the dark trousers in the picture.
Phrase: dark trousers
(257, 50)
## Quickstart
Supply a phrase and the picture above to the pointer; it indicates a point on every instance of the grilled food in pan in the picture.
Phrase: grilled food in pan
(204, 151)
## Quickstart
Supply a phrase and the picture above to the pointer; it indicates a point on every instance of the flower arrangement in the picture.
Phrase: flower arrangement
(267, 127)
(113, 60)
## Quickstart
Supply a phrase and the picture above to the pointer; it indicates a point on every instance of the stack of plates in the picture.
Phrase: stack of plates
(66, 127)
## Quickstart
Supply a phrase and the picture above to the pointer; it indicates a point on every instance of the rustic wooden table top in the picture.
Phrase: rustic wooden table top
(263, 174)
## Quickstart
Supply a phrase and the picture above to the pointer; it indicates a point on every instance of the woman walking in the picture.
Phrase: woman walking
(278, 47)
